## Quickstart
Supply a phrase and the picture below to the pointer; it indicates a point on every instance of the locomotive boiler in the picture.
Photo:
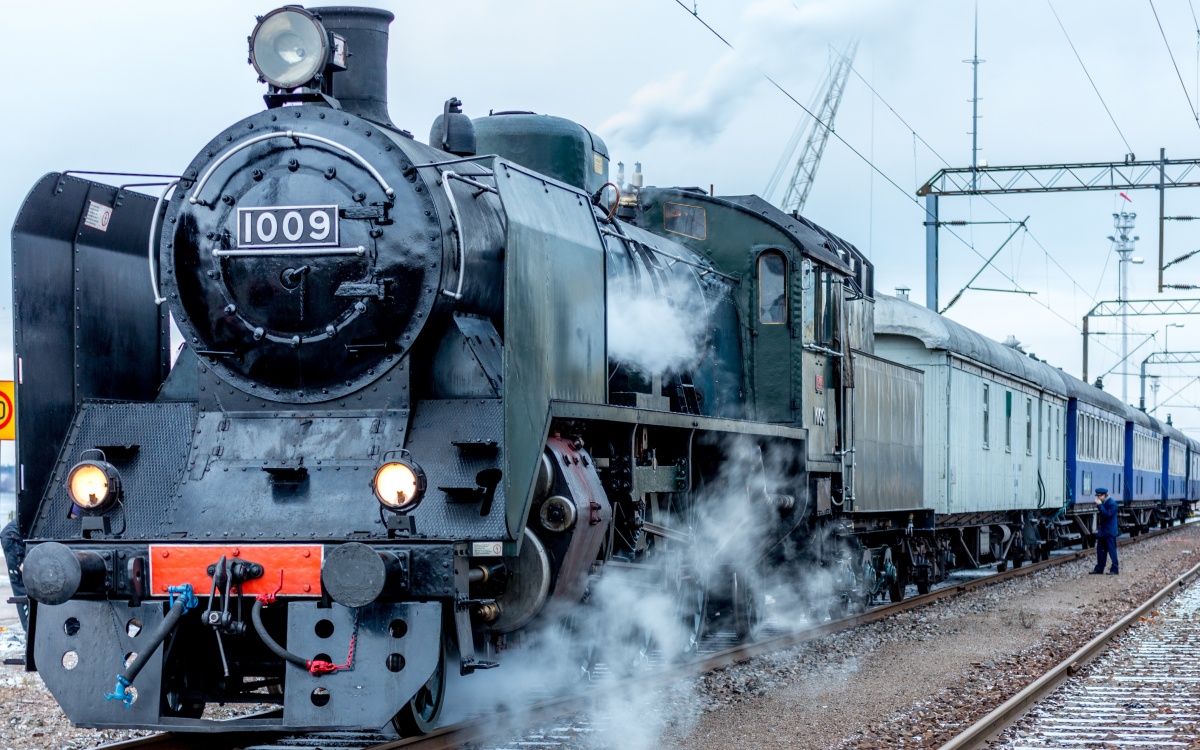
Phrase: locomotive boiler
(414, 414)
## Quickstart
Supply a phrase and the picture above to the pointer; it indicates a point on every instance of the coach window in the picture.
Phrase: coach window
(772, 288)
(1028, 426)
(1047, 426)
(1008, 421)
(986, 415)
(1058, 439)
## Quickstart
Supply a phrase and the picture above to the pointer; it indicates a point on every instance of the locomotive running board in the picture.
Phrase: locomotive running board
(631, 415)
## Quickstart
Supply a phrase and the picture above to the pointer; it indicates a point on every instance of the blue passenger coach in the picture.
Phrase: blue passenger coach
(1193, 481)
(1143, 472)
(1173, 506)
(1095, 451)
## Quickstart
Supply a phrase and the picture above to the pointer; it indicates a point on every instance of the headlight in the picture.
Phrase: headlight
(93, 484)
(288, 47)
(399, 485)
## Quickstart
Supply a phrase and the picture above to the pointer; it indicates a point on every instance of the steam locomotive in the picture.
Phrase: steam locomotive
(432, 397)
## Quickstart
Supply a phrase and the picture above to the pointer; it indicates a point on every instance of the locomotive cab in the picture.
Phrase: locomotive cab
(792, 275)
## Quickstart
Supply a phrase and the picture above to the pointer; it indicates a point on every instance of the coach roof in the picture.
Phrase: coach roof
(898, 317)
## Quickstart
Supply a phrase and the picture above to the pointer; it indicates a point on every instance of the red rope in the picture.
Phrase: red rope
(320, 666)
(269, 598)
(315, 666)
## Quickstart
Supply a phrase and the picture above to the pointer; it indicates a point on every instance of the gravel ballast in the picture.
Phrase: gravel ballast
(918, 678)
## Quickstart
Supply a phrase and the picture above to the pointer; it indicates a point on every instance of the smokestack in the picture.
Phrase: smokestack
(362, 87)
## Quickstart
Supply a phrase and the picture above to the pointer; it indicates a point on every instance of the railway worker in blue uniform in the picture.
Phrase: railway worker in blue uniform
(1106, 532)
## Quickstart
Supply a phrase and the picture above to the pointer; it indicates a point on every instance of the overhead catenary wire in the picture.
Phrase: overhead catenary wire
(1173, 395)
(1196, 25)
(1093, 296)
(917, 137)
(1148, 338)
(1178, 75)
(1018, 288)
(1089, 77)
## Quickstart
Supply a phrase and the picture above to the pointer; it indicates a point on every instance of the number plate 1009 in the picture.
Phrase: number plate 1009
(288, 226)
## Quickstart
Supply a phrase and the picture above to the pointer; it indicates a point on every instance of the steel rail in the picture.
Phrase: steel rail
(453, 736)
(1007, 713)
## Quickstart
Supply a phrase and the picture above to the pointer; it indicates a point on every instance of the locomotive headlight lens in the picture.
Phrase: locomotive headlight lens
(288, 47)
(93, 484)
(399, 485)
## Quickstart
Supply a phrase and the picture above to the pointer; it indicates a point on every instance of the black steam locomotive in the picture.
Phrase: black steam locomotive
(429, 398)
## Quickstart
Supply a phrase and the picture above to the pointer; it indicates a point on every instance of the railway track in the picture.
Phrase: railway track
(1140, 695)
(1122, 706)
(455, 735)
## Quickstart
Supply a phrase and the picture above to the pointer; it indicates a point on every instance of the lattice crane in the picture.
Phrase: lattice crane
(815, 133)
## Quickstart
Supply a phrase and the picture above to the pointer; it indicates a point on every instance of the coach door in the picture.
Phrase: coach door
(772, 367)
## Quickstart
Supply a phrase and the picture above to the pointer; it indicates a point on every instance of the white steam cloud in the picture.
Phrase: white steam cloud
(629, 617)
(772, 35)
(656, 332)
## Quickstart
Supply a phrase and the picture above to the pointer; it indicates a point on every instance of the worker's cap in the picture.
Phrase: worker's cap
(1101, 491)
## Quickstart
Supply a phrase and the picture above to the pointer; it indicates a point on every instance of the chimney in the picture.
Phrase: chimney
(361, 89)
(902, 292)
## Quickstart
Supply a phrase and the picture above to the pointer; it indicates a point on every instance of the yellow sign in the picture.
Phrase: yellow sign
(8, 421)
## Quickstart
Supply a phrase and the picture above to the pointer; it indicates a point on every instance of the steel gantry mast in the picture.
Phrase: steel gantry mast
(815, 133)
(1160, 174)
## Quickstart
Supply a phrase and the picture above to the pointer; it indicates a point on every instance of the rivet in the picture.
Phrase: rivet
(236, 552)
(307, 587)
(165, 553)
(307, 553)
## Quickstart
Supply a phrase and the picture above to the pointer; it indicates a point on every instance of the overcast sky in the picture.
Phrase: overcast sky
(140, 86)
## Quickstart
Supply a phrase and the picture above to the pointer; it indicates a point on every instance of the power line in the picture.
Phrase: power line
(796, 101)
(694, 14)
(1129, 149)
(989, 201)
(1173, 395)
(1196, 24)
(1178, 75)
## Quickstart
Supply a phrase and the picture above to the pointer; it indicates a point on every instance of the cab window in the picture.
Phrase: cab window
(772, 289)
(826, 307)
(821, 304)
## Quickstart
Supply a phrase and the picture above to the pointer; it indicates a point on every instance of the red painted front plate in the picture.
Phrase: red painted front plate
(177, 564)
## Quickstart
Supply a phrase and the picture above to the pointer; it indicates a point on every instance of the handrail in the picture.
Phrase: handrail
(297, 137)
(162, 197)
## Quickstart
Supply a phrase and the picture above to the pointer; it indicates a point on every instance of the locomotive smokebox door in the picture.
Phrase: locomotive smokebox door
(306, 254)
